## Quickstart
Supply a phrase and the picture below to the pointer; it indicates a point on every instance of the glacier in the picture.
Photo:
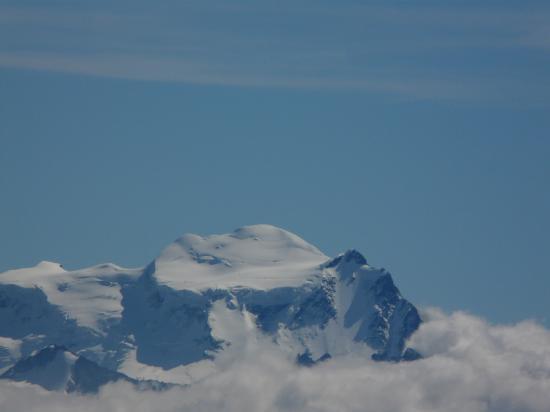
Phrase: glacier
(194, 305)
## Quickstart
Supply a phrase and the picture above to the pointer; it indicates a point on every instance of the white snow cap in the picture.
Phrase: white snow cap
(259, 256)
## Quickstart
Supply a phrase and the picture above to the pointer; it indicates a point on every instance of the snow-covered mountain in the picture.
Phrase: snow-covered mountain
(197, 302)
(56, 368)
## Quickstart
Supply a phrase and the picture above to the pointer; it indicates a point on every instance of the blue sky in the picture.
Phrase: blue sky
(416, 132)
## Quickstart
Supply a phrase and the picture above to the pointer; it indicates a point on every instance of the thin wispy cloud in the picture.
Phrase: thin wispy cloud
(422, 52)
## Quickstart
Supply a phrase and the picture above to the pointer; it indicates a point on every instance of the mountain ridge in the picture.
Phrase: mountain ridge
(56, 368)
(161, 322)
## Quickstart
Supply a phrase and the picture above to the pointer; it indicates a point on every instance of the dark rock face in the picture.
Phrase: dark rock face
(294, 307)
(386, 320)
(306, 359)
(55, 368)
(88, 377)
(173, 316)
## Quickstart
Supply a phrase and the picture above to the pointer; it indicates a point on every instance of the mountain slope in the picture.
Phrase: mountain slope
(167, 321)
(56, 368)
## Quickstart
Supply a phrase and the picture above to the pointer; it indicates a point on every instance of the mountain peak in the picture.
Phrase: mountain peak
(46, 264)
(40, 269)
(268, 235)
(49, 367)
(259, 256)
(56, 368)
(351, 256)
(267, 232)
(53, 348)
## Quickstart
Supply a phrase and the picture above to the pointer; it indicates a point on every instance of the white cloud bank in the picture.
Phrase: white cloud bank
(470, 366)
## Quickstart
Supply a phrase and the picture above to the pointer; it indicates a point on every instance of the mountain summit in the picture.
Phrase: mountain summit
(258, 257)
(172, 320)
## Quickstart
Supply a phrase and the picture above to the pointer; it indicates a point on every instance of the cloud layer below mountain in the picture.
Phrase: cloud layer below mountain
(469, 366)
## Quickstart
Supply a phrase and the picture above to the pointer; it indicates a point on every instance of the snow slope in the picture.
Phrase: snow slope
(257, 257)
(169, 321)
